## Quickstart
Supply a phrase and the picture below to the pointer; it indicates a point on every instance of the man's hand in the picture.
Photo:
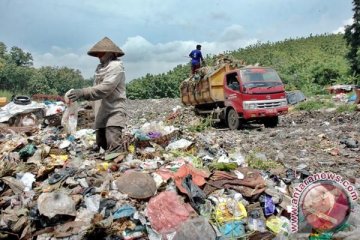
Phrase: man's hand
(75, 94)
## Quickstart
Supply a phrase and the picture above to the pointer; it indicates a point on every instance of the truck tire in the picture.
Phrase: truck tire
(271, 122)
(233, 120)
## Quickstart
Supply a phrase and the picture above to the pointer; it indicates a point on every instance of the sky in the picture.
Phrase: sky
(158, 35)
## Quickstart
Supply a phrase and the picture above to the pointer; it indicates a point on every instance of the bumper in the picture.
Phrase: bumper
(267, 112)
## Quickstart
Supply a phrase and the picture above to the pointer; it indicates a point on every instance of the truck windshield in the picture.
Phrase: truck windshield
(260, 77)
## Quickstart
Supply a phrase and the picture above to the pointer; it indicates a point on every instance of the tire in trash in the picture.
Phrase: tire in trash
(22, 100)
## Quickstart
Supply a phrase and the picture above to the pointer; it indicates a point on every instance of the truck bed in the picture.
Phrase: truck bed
(209, 89)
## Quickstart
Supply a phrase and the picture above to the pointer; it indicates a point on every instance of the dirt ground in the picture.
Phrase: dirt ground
(313, 140)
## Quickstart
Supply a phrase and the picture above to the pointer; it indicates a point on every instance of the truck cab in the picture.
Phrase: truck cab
(253, 94)
(233, 94)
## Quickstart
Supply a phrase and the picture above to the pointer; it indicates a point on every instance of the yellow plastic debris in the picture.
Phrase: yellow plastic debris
(59, 159)
(131, 148)
(230, 211)
(102, 166)
(277, 224)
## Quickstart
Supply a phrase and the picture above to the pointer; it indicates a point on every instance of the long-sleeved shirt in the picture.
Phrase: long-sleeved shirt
(109, 95)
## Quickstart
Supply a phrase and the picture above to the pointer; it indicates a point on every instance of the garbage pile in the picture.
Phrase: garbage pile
(171, 183)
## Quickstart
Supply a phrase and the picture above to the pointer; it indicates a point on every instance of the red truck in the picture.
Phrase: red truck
(237, 94)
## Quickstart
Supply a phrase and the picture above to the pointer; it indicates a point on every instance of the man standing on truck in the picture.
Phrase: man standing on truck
(108, 94)
(196, 59)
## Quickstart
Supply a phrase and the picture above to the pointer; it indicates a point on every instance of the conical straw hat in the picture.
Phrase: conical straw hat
(105, 45)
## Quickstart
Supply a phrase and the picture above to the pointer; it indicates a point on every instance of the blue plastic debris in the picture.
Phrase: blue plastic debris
(269, 206)
(233, 229)
(124, 211)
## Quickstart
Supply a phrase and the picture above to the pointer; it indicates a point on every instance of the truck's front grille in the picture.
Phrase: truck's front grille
(268, 104)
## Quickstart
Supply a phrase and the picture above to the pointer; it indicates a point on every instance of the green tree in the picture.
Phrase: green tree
(38, 83)
(352, 37)
(2, 50)
(15, 78)
(60, 80)
(20, 58)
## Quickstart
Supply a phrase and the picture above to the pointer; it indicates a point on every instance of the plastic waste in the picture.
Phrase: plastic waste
(26, 120)
(230, 210)
(179, 144)
(124, 211)
(295, 97)
(256, 224)
(70, 116)
(232, 230)
(64, 144)
(154, 135)
(11, 109)
(141, 136)
(27, 151)
(102, 166)
(278, 224)
(106, 205)
(269, 206)
(92, 203)
(196, 195)
(27, 179)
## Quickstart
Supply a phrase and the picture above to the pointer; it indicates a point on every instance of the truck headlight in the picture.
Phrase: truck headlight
(283, 103)
(249, 105)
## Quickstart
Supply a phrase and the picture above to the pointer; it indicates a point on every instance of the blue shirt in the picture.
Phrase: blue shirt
(196, 56)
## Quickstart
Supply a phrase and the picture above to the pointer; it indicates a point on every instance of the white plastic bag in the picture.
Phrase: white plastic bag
(70, 116)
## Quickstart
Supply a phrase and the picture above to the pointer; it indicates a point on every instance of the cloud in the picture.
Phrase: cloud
(142, 56)
(59, 57)
(342, 28)
(232, 33)
(219, 16)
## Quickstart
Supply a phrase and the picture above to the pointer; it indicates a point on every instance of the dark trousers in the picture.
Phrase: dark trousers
(194, 67)
(110, 139)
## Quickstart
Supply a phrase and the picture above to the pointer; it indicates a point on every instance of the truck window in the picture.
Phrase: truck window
(232, 82)
(259, 75)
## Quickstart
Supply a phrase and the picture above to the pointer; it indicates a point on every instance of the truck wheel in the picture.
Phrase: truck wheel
(233, 119)
(271, 122)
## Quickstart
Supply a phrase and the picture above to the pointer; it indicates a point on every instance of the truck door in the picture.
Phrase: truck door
(232, 92)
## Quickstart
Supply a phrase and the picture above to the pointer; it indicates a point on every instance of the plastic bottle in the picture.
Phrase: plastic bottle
(256, 224)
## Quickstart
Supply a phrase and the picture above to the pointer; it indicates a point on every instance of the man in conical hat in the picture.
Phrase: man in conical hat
(108, 94)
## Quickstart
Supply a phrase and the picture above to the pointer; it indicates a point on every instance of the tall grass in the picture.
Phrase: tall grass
(7, 94)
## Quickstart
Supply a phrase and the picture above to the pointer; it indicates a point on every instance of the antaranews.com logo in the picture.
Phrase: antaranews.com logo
(321, 203)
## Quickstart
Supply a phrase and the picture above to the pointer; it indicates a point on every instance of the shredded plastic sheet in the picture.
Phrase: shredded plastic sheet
(11, 109)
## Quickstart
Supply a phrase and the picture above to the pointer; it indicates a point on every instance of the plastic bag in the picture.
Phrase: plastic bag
(230, 210)
(70, 116)
(196, 195)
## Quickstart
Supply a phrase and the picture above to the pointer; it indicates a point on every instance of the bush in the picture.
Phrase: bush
(346, 108)
(312, 105)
